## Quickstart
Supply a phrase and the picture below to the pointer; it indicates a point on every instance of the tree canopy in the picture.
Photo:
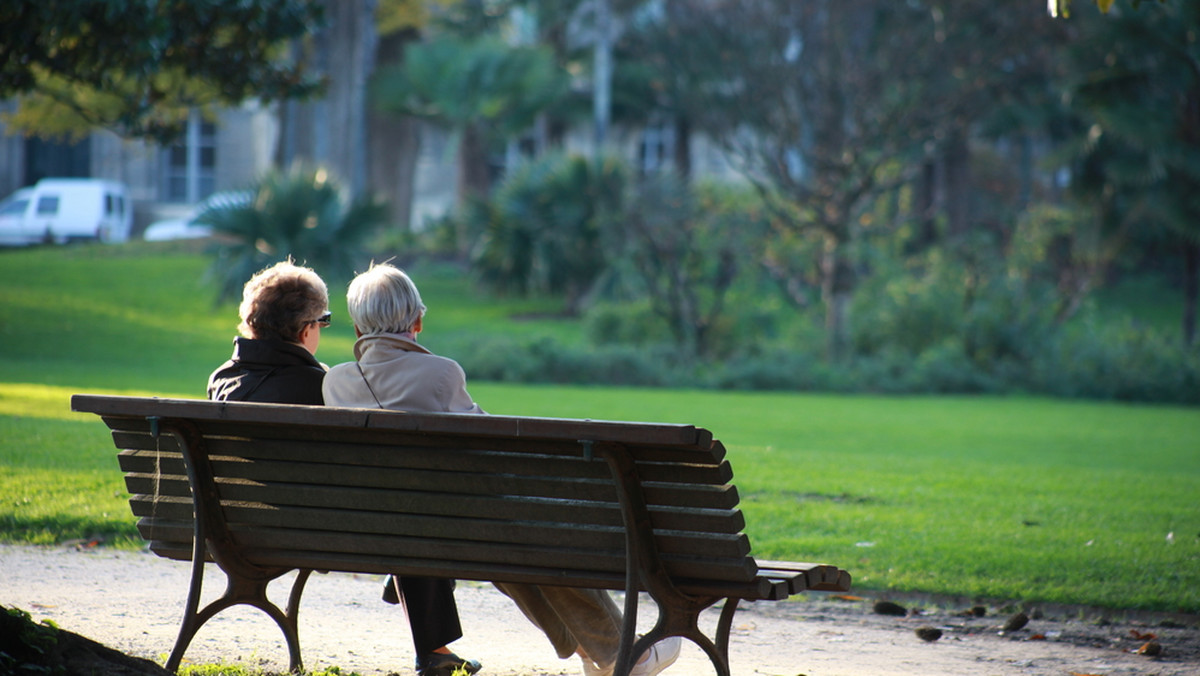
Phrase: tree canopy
(138, 66)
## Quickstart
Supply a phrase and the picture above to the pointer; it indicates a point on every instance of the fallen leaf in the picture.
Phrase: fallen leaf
(1137, 635)
(1038, 637)
(848, 597)
(1150, 649)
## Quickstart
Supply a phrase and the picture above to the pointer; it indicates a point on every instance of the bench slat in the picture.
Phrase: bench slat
(448, 553)
(542, 533)
(807, 576)
(414, 502)
(285, 415)
(430, 457)
(524, 476)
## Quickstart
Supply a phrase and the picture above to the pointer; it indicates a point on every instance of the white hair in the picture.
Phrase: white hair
(384, 300)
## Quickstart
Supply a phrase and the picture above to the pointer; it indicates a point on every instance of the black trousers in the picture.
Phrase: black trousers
(432, 612)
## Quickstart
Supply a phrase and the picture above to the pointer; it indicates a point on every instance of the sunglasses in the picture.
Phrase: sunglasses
(323, 321)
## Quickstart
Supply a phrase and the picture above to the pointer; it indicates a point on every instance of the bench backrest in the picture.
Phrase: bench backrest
(465, 496)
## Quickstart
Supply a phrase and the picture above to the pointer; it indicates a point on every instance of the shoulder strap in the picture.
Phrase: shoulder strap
(368, 384)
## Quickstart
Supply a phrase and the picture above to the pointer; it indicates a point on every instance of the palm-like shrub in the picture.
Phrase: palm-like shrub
(482, 90)
(541, 230)
(300, 214)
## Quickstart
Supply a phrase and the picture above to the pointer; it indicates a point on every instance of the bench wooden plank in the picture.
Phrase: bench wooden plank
(508, 476)
(324, 547)
(286, 415)
(429, 457)
(546, 533)
(807, 576)
(665, 518)
(711, 453)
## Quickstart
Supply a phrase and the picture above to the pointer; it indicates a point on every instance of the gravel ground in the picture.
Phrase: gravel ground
(132, 602)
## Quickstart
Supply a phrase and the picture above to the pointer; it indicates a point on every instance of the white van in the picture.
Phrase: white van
(60, 210)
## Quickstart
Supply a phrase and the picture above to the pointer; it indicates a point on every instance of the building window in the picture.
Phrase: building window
(191, 163)
(656, 147)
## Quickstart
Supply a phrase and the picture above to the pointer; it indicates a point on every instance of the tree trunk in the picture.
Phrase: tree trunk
(925, 209)
(957, 158)
(395, 143)
(473, 176)
(351, 58)
(836, 287)
(474, 180)
(683, 147)
(1191, 289)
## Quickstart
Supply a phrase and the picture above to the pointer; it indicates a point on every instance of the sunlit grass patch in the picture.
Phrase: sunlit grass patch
(1017, 498)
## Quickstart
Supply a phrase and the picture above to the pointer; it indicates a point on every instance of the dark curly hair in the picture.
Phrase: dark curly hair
(280, 300)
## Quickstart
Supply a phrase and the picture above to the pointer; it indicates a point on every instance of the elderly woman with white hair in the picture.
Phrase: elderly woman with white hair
(393, 371)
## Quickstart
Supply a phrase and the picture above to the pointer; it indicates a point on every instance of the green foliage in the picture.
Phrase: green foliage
(299, 214)
(548, 361)
(541, 230)
(942, 322)
(1121, 361)
(481, 88)
(139, 66)
(632, 323)
(459, 82)
(227, 669)
(683, 248)
(25, 647)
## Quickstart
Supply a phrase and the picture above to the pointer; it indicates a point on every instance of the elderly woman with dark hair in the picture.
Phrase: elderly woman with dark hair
(283, 309)
(392, 371)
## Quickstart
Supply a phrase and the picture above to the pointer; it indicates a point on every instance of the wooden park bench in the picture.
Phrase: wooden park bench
(265, 489)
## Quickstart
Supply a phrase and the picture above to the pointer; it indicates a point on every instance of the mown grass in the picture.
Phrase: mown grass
(998, 498)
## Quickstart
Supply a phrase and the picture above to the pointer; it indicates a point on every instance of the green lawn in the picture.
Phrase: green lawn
(998, 498)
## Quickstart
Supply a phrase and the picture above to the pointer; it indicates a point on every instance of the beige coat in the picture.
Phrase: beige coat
(400, 375)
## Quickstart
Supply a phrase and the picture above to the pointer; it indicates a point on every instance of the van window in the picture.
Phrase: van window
(108, 204)
(14, 207)
(47, 205)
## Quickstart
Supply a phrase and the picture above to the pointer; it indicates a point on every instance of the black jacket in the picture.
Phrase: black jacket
(271, 371)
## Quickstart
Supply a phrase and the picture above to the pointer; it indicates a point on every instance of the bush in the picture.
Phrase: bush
(540, 231)
(1123, 361)
(632, 323)
(301, 214)
(549, 361)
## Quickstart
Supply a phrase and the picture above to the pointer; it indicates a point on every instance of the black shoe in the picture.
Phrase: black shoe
(444, 664)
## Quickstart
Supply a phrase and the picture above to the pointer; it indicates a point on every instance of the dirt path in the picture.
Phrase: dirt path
(132, 602)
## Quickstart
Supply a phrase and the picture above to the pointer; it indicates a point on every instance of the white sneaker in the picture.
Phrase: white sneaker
(590, 669)
(660, 656)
